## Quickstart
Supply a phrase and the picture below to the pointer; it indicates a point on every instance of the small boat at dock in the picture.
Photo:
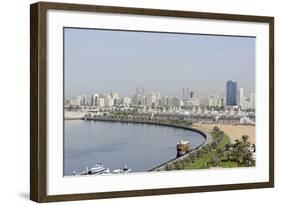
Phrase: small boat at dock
(183, 147)
(122, 170)
(100, 169)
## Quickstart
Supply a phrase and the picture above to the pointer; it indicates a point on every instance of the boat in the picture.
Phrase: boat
(183, 147)
(98, 168)
(126, 169)
(106, 171)
(117, 171)
(122, 170)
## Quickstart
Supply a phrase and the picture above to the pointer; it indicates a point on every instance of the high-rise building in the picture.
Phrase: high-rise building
(137, 99)
(150, 99)
(204, 101)
(253, 101)
(222, 102)
(231, 93)
(165, 101)
(158, 99)
(96, 97)
(108, 101)
(142, 100)
(84, 100)
(126, 101)
(246, 105)
(214, 101)
(191, 94)
(187, 94)
(76, 101)
(100, 102)
(115, 97)
(142, 90)
(183, 93)
(91, 100)
(240, 97)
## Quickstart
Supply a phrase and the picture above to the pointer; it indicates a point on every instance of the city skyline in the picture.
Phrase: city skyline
(155, 61)
(187, 93)
(153, 99)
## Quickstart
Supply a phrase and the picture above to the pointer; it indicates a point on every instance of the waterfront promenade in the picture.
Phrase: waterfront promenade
(208, 140)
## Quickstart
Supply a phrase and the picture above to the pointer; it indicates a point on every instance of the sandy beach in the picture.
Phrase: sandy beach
(233, 131)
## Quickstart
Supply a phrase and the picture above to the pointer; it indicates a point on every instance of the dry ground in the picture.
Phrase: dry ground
(233, 131)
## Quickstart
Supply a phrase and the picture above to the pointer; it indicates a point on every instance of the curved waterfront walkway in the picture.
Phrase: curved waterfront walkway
(208, 140)
(208, 137)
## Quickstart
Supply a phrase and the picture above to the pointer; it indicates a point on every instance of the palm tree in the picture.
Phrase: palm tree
(240, 151)
(170, 166)
(245, 138)
(254, 147)
(219, 153)
(192, 157)
(216, 129)
(214, 145)
(215, 161)
(199, 153)
(187, 161)
(227, 149)
(209, 147)
(178, 165)
(221, 133)
(248, 159)
(205, 150)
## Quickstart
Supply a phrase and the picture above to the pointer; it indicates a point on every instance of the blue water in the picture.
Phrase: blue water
(139, 146)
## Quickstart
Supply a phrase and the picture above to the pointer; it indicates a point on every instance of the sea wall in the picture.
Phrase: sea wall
(208, 140)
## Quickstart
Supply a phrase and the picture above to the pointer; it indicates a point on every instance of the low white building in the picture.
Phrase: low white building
(253, 101)
(127, 101)
(100, 102)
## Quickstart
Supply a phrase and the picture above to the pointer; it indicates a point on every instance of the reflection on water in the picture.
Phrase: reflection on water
(139, 146)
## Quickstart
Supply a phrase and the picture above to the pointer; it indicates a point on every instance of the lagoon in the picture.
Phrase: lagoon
(139, 146)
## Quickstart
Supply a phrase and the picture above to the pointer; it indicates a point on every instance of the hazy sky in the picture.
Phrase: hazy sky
(100, 61)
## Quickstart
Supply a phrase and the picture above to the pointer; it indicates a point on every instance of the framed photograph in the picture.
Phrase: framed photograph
(135, 102)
